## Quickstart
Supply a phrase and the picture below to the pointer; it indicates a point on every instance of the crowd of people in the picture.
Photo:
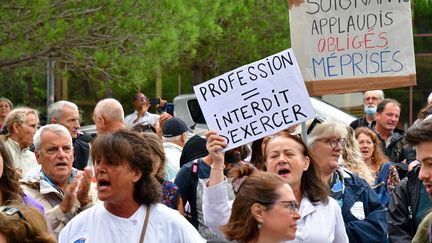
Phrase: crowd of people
(146, 177)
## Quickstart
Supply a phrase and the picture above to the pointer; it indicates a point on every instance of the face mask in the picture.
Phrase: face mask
(370, 111)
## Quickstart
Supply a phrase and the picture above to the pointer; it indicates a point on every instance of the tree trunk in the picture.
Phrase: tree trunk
(30, 91)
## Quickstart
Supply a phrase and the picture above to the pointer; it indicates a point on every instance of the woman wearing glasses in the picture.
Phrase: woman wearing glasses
(264, 210)
(363, 214)
(287, 156)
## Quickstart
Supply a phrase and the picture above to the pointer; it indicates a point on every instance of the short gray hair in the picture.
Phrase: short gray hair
(19, 116)
(379, 92)
(56, 128)
(55, 110)
(110, 109)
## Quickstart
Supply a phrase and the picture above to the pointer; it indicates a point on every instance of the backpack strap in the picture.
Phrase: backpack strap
(195, 167)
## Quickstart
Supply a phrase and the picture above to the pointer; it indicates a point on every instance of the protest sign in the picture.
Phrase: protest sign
(353, 45)
(255, 100)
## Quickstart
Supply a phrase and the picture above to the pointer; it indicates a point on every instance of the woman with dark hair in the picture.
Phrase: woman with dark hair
(170, 194)
(130, 211)
(264, 210)
(287, 156)
(386, 176)
(257, 156)
(10, 190)
(23, 224)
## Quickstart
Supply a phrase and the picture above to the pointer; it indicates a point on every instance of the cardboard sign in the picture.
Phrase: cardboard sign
(353, 45)
(255, 100)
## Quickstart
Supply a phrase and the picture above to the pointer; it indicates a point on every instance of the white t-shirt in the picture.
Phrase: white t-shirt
(96, 224)
(148, 118)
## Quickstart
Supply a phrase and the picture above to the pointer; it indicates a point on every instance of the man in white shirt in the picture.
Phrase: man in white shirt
(141, 105)
(174, 134)
(21, 124)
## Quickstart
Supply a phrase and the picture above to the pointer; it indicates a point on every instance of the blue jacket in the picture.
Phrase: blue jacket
(373, 228)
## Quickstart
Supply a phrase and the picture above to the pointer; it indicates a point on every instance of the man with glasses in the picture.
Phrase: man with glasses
(21, 125)
(371, 99)
(63, 190)
(67, 114)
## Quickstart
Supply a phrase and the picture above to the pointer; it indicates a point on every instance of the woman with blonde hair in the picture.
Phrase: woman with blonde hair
(352, 158)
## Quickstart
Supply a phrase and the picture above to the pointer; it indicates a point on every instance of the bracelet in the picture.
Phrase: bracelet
(217, 167)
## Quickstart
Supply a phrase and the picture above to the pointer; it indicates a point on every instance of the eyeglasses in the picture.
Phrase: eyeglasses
(292, 205)
(333, 141)
(10, 211)
(316, 120)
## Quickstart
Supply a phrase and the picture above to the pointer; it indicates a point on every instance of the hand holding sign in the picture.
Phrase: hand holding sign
(255, 100)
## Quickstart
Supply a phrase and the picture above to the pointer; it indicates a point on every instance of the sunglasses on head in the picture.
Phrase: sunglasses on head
(10, 211)
(316, 120)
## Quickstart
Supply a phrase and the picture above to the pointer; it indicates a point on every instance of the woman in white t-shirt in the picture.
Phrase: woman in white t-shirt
(129, 211)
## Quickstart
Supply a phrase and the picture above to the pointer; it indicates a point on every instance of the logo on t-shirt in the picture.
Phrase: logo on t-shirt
(80, 240)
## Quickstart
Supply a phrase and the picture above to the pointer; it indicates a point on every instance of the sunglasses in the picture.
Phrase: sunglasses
(316, 120)
(10, 211)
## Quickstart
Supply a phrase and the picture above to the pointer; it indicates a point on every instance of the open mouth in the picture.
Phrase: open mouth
(428, 187)
(61, 164)
(364, 151)
(283, 172)
(101, 183)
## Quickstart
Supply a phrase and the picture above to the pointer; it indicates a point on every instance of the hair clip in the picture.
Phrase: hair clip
(237, 183)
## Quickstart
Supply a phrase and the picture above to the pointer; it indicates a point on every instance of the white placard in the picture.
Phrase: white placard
(350, 40)
(255, 100)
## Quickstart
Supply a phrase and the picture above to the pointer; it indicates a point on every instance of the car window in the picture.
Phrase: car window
(195, 111)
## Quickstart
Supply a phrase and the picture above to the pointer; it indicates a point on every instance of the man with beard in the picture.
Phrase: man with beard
(191, 190)
(370, 101)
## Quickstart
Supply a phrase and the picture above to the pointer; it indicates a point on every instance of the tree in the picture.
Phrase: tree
(115, 45)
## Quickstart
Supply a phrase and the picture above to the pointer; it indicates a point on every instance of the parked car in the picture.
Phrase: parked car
(186, 107)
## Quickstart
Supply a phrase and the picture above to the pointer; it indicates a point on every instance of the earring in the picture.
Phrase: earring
(259, 225)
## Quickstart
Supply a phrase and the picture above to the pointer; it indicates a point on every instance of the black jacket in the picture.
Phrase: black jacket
(81, 151)
(402, 208)
(396, 150)
(362, 122)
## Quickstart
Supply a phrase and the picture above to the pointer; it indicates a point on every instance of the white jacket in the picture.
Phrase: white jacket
(318, 223)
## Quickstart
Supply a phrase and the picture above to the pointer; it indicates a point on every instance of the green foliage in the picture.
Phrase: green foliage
(115, 47)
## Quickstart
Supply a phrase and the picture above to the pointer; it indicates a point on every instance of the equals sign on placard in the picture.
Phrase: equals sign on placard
(249, 94)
